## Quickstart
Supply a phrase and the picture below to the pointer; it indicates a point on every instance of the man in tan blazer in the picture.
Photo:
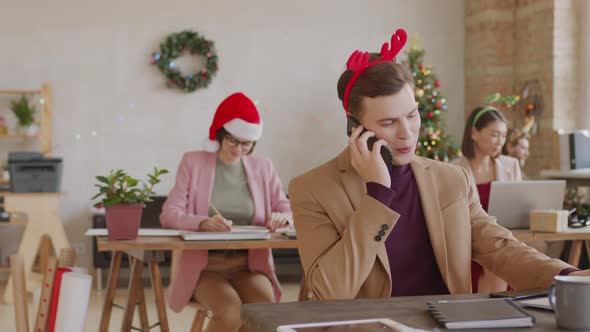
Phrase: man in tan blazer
(345, 221)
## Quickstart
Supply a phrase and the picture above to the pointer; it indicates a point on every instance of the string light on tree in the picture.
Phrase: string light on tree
(433, 142)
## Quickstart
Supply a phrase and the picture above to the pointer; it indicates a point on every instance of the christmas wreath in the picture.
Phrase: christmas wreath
(176, 45)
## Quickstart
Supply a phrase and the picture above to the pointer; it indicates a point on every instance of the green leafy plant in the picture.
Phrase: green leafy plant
(499, 101)
(120, 188)
(23, 110)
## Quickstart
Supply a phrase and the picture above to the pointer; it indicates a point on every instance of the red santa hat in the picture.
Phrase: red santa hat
(237, 114)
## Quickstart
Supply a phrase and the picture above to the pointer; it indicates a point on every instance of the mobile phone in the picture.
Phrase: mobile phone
(522, 294)
(386, 154)
(365, 325)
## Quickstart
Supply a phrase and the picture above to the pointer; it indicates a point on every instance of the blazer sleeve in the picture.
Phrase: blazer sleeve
(336, 264)
(175, 209)
(278, 199)
(496, 249)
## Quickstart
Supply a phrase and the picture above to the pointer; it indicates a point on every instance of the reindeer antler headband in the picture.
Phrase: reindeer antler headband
(358, 61)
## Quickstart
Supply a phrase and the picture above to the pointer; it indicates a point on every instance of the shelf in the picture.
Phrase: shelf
(18, 136)
(19, 92)
(12, 223)
(582, 173)
(45, 122)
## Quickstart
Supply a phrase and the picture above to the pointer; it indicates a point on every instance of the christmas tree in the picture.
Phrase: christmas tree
(433, 142)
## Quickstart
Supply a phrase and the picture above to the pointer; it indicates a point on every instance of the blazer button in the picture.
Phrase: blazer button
(381, 232)
(377, 238)
(384, 226)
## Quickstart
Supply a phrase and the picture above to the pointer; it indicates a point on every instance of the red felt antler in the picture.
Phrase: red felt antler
(358, 61)
(398, 40)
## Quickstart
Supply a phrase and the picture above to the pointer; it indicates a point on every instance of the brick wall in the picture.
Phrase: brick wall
(511, 42)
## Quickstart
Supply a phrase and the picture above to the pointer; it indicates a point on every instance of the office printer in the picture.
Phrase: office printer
(574, 149)
(31, 172)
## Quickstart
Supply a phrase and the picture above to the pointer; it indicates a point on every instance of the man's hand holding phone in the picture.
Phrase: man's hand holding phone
(368, 163)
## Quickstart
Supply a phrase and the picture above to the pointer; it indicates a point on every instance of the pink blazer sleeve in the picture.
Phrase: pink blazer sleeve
(278, 199)
(175, 210)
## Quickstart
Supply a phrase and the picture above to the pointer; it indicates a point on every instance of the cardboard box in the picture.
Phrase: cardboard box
(551, 221)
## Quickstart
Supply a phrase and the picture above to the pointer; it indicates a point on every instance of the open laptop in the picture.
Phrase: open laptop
(512, 202)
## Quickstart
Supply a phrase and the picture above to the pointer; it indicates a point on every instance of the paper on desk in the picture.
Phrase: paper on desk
(142, 232)
(289, 233)
(539, 303)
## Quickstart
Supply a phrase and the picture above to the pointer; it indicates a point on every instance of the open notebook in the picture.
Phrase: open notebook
(480, 313)
(236, 233)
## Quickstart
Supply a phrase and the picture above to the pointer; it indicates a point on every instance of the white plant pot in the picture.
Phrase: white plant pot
(31, 130)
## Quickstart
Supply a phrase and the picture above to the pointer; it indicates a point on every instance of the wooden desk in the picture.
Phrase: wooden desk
(411, 311)
(578, 236)
(136, 249)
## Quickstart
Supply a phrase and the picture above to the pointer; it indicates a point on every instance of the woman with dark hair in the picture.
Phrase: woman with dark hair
(223, 186)
(483, 139)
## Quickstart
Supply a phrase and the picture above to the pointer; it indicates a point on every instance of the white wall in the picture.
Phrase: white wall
(286, 54)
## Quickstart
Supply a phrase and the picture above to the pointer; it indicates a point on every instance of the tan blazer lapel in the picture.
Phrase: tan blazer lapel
(432, 214)
(355, 189)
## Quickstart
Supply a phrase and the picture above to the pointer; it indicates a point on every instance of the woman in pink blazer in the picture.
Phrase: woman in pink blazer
(245, 189)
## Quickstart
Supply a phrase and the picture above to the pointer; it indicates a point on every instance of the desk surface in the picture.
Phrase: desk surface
(276, 241)
(582, 173)
(571, 234)
(407, 310)
(279, 242)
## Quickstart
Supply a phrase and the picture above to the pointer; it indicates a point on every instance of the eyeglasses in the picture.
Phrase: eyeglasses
(246, 145)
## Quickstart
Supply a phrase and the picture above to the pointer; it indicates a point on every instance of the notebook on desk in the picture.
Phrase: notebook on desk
(480, 313)
(236, 233)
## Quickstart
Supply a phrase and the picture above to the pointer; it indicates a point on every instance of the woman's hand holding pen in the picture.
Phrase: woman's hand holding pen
(216, 223)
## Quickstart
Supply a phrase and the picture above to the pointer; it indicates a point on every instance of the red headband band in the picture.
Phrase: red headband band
(358, 61)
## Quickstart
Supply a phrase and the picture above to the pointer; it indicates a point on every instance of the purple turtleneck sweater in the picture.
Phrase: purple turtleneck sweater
(411, 259)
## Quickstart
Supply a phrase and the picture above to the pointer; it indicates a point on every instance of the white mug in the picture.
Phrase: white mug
(570, 299)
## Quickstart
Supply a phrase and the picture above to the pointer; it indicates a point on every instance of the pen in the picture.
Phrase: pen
(219, 213)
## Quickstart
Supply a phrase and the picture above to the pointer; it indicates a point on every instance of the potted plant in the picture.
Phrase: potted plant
(123, 199)
(25, 114)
